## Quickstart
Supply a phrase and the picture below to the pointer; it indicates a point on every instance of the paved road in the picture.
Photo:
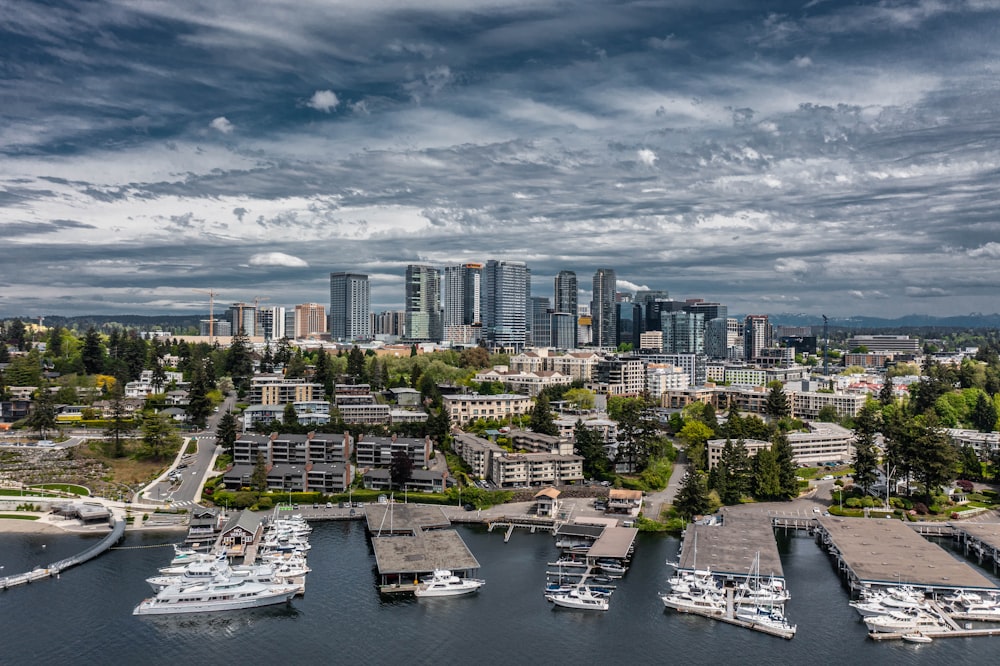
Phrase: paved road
(193, 470)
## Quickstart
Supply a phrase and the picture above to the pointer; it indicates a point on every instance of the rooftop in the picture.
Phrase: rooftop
(730, 548)
(422, 552)
(614, 542)
(888, 552)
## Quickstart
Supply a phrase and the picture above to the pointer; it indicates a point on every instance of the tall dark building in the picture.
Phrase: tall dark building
(423, 304)
(566, 293)
(602, 308)
(504, 304)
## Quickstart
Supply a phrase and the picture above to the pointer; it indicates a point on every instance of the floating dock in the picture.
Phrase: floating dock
(887, 553)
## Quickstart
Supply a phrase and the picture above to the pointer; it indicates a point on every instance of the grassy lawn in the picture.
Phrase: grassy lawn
(14, 516)
(14, 492)
(127, 470)
(64, 487)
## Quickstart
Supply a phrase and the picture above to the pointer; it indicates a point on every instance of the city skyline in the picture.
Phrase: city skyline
(816, 157)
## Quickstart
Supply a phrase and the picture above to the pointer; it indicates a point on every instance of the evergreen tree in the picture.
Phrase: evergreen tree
(159, 375)
(92, 353)
(692, 498)
(4, 351)
(17, 335)
(158, 435)
(540, 419)
(785, 458)
(777, 402)
(984, 414)
(866, 426)
(429, 391)
(400, 469)
(636, 435)
(283, 354)
(199, 405)
(356, 364)
(766, 475)
(290, 417)
(972, 468)
(225, 433)
(267, 359)
(323, 373)
(239, 361)
(936, 459)
(296, 366)
(120, 426)
(258, 479)
(42, 417)
(886, 395)
(732, 473)
(439, 427)
(590, 445)
(55, 342)
(375, 378)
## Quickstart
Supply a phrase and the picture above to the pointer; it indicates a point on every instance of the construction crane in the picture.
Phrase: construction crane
(826, 346)
(256, 312)
(211, 312)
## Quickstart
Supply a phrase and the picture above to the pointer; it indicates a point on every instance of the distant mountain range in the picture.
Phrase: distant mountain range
(926, 323)
(973, 320)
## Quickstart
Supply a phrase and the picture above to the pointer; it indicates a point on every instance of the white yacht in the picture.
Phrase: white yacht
(580, 599)
(704, 603)
(200, 572)
(903, 622)
(444, 583)
(224, 595)
(771, 618)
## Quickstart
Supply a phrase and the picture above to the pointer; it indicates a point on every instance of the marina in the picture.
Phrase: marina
(980, 540)
(411, 541)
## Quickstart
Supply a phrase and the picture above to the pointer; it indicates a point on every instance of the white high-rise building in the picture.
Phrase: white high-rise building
(504, 303)
(462, 288)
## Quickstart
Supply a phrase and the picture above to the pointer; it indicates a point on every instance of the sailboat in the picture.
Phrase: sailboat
(750, 608)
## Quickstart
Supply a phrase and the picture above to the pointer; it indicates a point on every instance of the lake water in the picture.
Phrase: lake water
(85, 617)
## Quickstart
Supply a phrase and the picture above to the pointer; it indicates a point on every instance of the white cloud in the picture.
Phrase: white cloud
(926, 292)
(794, 266)
(647, 157)
(323, 100)
(277, 259)
(990, 250)
(625, 285)
(802, 61)
(222, 124)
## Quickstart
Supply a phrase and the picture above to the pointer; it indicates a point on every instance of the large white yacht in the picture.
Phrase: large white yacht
(203, 572)
(216, 595)
(444, 583)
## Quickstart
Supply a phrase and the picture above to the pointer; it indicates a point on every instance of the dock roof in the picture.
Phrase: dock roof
(422, 552)
(614, 542)
(396, 517)
(888, 552)
(988, 533)
(730, 548)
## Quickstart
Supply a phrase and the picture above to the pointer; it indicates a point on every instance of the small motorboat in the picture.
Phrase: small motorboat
(917, 637)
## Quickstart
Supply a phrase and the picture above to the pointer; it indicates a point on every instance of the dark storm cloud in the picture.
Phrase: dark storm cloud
(773, 156)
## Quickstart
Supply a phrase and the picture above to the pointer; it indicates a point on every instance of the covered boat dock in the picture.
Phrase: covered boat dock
(887, 553)
(729, 549)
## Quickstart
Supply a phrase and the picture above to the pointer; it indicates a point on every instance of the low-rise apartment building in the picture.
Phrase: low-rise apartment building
(465, 408)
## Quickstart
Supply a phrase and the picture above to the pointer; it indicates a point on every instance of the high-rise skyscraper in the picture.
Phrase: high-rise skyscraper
(563, 330)
(566, 293)
(602, 309)
(350, 307)
(756, 335)
(683, 332)
(504, 303)
(423, 303)
(462, 287)
(243, 318)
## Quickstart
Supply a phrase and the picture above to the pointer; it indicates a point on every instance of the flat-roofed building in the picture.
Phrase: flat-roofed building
(533, 469)
(378, 451)
(714, 446)
(365, 413)
(825, 442)
(464, 408)
(885, 343)
(476, 452)
(984, 443)
(535, 442)
(274, 389)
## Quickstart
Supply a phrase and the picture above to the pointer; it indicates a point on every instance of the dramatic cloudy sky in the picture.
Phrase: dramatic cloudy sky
(813, 156)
